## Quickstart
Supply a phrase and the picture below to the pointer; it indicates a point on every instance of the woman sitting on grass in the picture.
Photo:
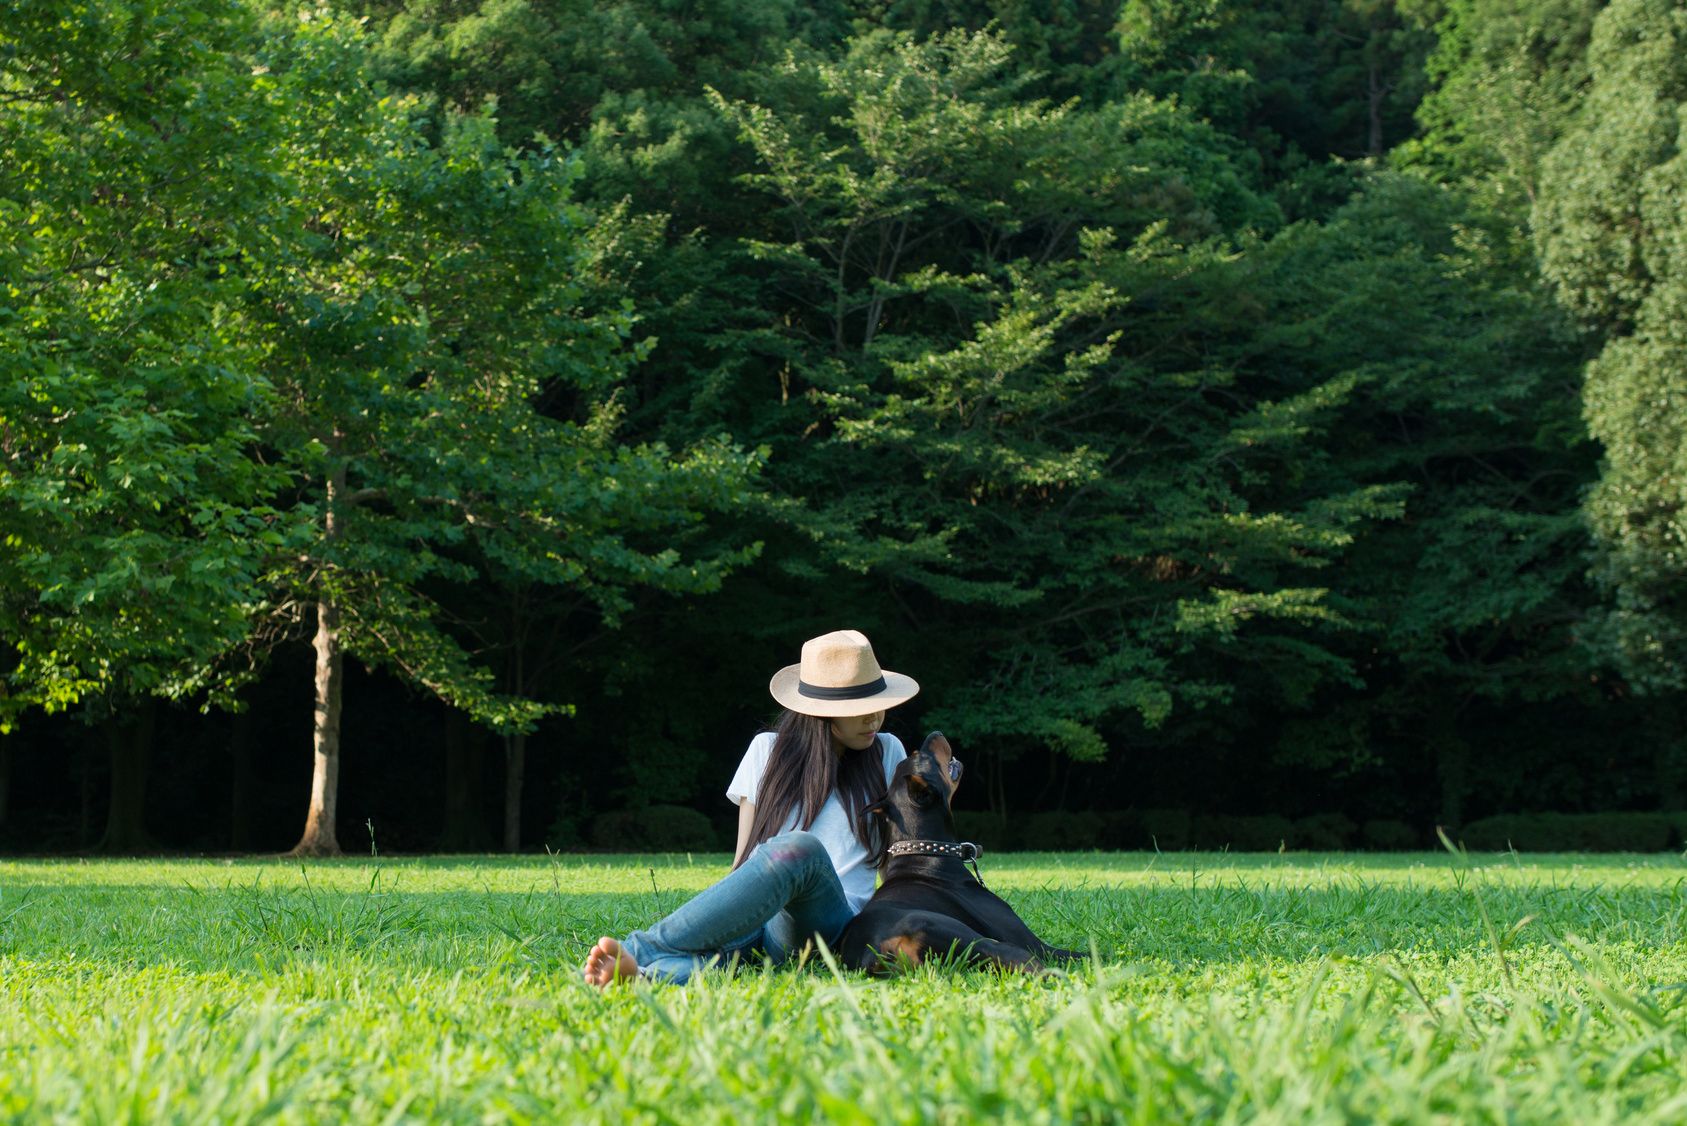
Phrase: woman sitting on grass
(802, 867)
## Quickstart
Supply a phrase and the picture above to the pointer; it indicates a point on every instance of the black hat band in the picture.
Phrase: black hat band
(853, 692)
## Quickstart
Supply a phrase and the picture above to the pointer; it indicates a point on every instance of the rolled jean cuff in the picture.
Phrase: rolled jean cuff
(675, 967)
(788, 880)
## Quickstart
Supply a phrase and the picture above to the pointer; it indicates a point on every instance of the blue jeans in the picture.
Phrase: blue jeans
(783, 895)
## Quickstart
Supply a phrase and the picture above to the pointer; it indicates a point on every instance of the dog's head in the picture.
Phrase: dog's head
(917, 804)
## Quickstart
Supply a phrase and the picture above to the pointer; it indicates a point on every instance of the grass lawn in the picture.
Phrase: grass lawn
(1280, 988)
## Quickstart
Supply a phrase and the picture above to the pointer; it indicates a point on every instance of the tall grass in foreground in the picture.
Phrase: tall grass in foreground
(1426, 988)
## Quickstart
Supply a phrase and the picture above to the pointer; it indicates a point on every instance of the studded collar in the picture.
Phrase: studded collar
(963, 850)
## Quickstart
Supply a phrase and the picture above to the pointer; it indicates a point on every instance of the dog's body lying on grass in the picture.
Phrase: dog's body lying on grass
(928, 904)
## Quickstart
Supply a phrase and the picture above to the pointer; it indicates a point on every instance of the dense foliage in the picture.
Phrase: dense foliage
(1189, 395)
(1612, 233)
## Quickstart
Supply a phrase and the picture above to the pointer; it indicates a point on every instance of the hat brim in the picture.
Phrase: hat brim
(898, 689)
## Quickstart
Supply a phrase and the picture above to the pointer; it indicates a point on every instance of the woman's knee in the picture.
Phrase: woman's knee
(795, 849)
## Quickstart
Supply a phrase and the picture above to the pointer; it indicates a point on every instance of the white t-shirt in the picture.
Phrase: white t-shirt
(832, 826)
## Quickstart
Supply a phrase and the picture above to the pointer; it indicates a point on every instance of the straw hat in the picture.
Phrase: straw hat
(839, 676)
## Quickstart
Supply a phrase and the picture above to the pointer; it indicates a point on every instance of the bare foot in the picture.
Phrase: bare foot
(609, 963)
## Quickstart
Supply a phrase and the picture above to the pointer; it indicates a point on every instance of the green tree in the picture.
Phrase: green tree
(994, 377)
(1066, 48)
(1612, 237)
(1467, 604)
(447, 404)
(1506, 78)
(135, 167)
(130, 508)
(1301, 80)
(555, 68)
(362, 374)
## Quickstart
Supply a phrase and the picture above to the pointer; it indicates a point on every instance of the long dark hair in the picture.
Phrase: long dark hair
(802, 771)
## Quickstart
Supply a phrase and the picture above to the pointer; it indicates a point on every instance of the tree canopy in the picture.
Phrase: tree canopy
(1612, 237)
(1219, 408)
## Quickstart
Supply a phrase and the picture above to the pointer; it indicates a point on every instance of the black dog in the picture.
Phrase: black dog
(928, 903)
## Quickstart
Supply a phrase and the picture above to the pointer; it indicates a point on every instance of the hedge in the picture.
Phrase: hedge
(670, 828)
(1574, 832)
(654, 828)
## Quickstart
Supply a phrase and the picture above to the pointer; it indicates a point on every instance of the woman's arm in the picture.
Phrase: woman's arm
(746, 816)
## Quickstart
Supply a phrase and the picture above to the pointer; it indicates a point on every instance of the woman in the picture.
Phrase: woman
(804, 861)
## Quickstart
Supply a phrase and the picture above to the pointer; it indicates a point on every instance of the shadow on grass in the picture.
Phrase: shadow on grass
(1215, 908)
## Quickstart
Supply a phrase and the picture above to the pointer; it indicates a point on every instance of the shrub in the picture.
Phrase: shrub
(989, 831)
(617, 829)
(1056, 830)
(1570, 832)
(1388, 835)
(564, 832)
(1165, 829)
(1241, 834)
(1626, 832)
(725, 825)
(1323, 832)
(1122, 829)
(654, 828)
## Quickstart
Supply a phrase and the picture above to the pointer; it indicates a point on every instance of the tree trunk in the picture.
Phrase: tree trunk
(1377, 91)
(319, 837)
(1669, 753)
(515, 772)
(130, 740)
(995, 784)
(1042, 799)
(5, 775)
(463, 829)
(89, 755)
(240, 785)
(1452, 768)
(515, 745)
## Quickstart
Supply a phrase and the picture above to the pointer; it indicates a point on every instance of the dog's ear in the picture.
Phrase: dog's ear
(877, 809)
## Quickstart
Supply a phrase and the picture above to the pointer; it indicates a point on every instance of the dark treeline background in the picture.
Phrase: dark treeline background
(1246, 420)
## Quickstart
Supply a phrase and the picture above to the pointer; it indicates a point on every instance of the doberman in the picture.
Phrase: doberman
(928, 904)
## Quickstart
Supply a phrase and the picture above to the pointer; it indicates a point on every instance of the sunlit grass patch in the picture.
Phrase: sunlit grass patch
(1259, 987)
